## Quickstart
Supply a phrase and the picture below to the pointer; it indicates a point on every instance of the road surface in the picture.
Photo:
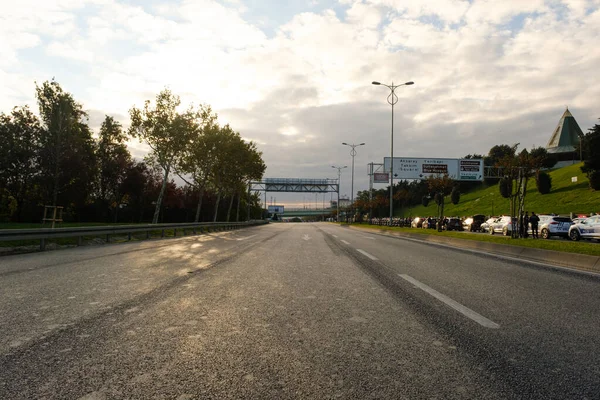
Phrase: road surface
(307, 310)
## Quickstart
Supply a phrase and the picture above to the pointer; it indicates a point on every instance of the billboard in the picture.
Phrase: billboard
(275, 210)
(381, 177)
(459, 169)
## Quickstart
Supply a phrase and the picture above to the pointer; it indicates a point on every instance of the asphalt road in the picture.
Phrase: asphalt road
(293, 311)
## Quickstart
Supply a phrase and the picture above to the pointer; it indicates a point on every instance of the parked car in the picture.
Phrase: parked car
(417, 223)
(587, 229)
(553, 225)
(454, 224)
(429, 223)
(473, 224)
(485, 227)
(501, 225)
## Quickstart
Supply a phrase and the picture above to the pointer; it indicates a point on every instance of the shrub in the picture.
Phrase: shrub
(594, 177)
(455, 195)
(544, 183)
(505, 186)
(425, 201)
(438, 198)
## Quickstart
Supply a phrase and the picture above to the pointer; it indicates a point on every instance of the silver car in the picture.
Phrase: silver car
(502, 225)
(587, 229)
(553, 225)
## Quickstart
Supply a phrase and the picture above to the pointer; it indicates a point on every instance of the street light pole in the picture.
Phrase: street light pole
(392, 100)
(352, 153)
(338, 191)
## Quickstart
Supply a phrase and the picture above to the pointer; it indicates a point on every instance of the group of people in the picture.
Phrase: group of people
(524, 220)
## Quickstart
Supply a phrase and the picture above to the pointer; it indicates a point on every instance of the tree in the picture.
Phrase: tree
(455, 195)
(591, 154)
(425, 200)
(197, 163)
(517, 170)
(541, 159)
(113, 161)
(166, 131)
(20, 134)
(544, 182)
(66, 159)
(440, 186)
(498, 153)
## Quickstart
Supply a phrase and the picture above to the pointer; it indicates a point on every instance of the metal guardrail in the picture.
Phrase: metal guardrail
(44, 234)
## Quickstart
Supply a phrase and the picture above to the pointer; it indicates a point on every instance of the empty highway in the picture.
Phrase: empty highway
(294, 311)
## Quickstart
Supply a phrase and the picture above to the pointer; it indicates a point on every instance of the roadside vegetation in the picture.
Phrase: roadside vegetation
(589, 248)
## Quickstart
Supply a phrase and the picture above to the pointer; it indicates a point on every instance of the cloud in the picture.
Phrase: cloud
(485, 71)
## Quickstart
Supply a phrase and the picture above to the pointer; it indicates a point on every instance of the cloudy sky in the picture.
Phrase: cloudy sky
(296, 76)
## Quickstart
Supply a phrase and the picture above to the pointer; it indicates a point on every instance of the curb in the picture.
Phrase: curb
(574, 261)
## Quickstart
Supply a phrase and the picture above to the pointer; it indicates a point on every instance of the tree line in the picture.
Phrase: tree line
(52, 158)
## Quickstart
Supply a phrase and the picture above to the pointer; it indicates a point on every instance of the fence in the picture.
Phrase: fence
(44, 234)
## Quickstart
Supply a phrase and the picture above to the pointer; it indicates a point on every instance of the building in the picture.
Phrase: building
(344, 202)
(565, 138)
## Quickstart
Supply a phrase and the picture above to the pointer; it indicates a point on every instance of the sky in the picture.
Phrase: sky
(295, 77)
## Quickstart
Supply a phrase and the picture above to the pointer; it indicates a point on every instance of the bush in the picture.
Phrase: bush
(505, 186)
(455, 195)
(438, 198)
(425, 201)
(544, 183)
(594, 177)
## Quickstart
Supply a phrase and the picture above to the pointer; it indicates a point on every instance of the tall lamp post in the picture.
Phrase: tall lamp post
(338, 191)
(392, 99)
(352, 153)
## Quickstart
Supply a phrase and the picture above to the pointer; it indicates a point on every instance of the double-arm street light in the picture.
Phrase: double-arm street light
(352, 153)
(392, 99)
(338, 191)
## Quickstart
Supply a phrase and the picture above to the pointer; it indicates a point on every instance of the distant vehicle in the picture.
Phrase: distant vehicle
(417, 223)
(429, 225)
(485, 227)
(454, 224)
(473, 224)
(501, 225)
(587, 229)
(551, 225)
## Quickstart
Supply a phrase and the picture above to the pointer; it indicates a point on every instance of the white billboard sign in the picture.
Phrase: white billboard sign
(422, 168)
(276, 209)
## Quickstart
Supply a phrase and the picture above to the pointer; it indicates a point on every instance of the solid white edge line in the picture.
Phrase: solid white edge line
(367, 254)
(496, 255)
(343, 241)
(335, 236)
(467, 312)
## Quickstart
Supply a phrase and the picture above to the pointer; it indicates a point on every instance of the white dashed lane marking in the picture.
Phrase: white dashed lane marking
(366, 254)
(467, 312)
(343, 241)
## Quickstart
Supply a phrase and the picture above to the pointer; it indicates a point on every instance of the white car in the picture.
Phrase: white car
(485, 227)
(587, 229)
(553, 225)
(501, 225)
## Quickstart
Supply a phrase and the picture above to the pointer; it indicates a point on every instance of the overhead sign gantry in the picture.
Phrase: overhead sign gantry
(295, 185)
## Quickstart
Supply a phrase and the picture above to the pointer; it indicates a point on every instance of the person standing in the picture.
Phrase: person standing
(534, 220)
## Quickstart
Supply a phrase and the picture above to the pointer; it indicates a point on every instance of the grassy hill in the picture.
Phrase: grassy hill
(565, 197)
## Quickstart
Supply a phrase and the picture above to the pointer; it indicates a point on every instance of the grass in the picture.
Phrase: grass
(589, 248)
(564, 198)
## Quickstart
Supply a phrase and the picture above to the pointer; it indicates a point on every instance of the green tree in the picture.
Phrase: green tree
(440, 186)
(20, 133)
(591, 154)
(455, 195)
(66, 159)
(113, 161)
(166, 131)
